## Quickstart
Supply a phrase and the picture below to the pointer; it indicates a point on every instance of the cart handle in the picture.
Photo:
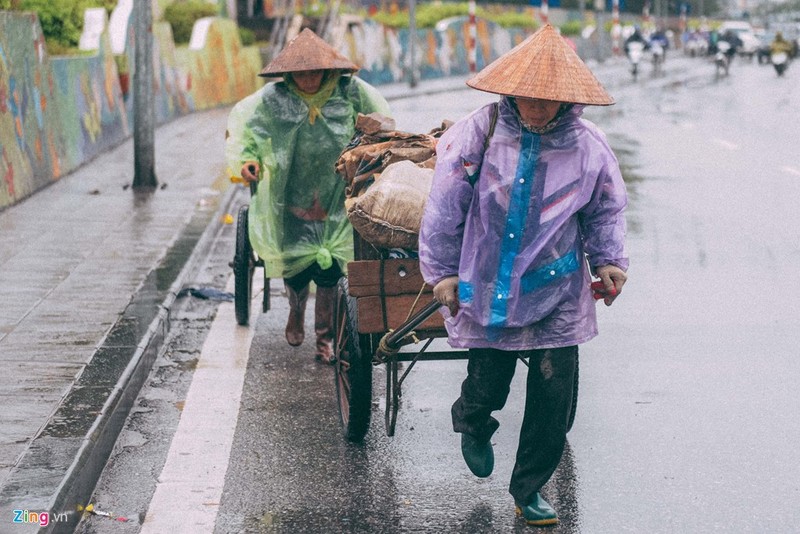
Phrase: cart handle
(389, 344)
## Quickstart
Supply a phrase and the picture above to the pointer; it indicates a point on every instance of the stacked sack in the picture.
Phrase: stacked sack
(388, 175)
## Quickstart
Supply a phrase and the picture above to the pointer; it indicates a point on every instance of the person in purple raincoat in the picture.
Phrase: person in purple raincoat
(527, 204)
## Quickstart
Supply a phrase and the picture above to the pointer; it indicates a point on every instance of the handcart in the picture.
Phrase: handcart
(244, 264)
(383, 304)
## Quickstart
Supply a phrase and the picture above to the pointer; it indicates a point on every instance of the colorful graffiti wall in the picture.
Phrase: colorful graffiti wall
(383, 53)
(31, 140)
(57, 113)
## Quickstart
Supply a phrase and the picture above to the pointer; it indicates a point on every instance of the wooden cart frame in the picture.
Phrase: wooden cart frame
(383, 304)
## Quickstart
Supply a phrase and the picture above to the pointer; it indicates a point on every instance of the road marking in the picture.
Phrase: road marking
(790, 170)
(726, 144)
(190, 486)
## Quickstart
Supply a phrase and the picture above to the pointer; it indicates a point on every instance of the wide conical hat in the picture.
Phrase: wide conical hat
(305, 52)
(542, 66)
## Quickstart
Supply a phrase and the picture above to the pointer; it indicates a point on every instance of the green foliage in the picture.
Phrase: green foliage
(428, 15)
(315, 9)
(571, 28)
(511, 19)
(182, 16)
(248, 37)
(397, 20)
(61, 20)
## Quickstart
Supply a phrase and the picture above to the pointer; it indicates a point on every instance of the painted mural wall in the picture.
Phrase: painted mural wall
(32, 146)
(383, 53)
(58, 113)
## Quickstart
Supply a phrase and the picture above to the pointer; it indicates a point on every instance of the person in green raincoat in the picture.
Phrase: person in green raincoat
(288, 136)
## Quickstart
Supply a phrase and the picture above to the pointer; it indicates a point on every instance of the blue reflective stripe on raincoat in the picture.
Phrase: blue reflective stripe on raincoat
(520, 238)
(297, 216)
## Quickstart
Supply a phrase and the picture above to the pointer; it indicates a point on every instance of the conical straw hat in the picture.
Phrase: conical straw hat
(542, 66)
(305, 52)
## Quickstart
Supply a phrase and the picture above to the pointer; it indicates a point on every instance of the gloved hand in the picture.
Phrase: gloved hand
(446, 293)
(250, 171)
(612, 278)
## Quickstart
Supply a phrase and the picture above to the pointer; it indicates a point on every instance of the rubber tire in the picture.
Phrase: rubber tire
(243, 267)
(353, 368)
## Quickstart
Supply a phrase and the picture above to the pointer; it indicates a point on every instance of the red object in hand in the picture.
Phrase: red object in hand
(599, 290)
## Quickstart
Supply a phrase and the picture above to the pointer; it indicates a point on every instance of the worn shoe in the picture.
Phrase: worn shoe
(295, 334)
(323, 324)
(538, 512)
(478, 455)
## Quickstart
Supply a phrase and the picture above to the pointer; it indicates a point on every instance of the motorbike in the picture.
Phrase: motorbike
(635, 52)
(657, 52)
(721, 58)
(779, 60)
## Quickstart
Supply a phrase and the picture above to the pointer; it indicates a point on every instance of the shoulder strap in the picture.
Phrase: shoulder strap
(489, 134)
(492, 124)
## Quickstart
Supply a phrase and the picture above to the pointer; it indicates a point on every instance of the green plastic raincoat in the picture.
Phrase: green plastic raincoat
(297, 215)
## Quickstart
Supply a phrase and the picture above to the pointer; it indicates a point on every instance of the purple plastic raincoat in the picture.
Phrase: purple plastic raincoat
(520, 237)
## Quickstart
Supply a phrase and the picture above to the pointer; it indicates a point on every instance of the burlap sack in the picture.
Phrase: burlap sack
(388, 214)
(376, 145)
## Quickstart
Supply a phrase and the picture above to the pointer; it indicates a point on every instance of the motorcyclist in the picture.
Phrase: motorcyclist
(780, 44)
(637, 37)
(660, 37)
(734, 41)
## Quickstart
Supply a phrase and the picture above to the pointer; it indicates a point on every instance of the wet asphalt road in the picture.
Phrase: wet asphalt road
(687, 413)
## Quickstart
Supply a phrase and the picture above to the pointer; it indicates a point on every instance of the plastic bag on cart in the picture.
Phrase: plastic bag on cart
(388, 175)
(376, 145)
(389, 213)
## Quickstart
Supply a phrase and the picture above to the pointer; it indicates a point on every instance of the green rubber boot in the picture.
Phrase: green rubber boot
(478, 455)
(538, 512)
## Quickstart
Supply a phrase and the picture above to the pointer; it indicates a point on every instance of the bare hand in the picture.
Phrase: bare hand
(446, 293)
(613, 278)
(250, 171)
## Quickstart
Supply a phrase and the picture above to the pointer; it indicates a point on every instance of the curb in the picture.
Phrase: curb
(80, 479)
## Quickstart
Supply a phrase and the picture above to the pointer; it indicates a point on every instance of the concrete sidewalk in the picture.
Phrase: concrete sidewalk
(88, 272)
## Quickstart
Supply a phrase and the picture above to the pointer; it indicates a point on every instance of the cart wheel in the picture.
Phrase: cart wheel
(574, 398)
(243, 267)
(353, 367)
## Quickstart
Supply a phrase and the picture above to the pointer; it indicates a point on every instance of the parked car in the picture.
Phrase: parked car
(745, 32)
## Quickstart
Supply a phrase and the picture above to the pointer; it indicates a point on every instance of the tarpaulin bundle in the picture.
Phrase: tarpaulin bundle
(376, 145)
(388, 176)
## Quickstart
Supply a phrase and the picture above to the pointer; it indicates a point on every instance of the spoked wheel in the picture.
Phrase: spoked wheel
(353, 367)
(243, 266)
(574, 398)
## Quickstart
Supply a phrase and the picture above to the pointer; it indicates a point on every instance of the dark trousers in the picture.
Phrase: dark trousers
(323, 278)
(548, 401)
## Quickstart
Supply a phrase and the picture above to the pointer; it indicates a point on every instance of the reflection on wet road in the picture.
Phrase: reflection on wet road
(686, 410)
